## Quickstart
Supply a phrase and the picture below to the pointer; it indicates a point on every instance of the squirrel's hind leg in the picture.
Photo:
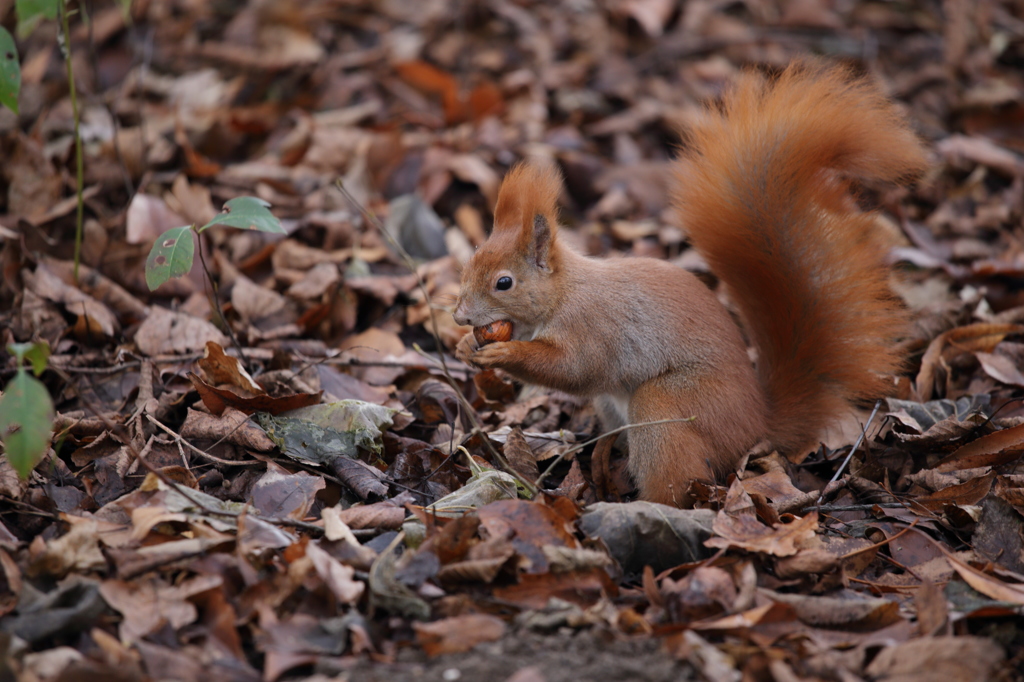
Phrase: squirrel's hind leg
(664, 458)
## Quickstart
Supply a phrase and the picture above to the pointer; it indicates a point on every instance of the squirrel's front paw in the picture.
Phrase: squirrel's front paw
(495, 354)
(466, 348)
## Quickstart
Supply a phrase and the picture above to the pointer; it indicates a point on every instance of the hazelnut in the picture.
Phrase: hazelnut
(500, 330)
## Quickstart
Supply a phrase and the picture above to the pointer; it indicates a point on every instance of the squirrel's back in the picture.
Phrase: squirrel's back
(763, 189)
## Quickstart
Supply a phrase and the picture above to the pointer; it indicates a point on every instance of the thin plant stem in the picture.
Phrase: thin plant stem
(215, 300)
(79, 161)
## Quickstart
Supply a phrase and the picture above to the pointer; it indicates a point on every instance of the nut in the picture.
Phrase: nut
(499, 330)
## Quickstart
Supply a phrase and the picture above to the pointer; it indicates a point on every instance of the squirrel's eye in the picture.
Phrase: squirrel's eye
(503, 284)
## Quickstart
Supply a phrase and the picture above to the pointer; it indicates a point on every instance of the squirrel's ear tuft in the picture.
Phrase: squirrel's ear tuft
(530, 189)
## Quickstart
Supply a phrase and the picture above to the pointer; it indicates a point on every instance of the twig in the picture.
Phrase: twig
(102, 370)
(28, 509)
(626, 427)
(878, 545)
(856, 507)
(205, 455)
(860, 439)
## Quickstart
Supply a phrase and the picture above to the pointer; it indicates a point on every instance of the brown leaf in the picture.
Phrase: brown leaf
(260, 306)
(217, 400)
(453, 540)
(77, 550)
(971, 492)
(543, 445)
(494, 387)
(168, 333)
(147, 605)
(438, 402)
(986, 584)
(363, 479)
(736, 526)
(958, 148)
(806, 562)
(256, 536)
(340, 386)
(35, 185)
(705, 592)
(991, 450)
(770, 614)
(746, 532)
(148, 217)
(374, 345)
(776, 486)
(483, 570)
(191, 201)
(472, 169)
(1010, 492)
(96, 317)
(520, 457)
(951, 659)
(220, 368)
(281, 494)
(1001, 368)
(534, 526)
(458, 634)
(573, 484)
(650, 14)
(535, 591)
(930, 602)
(855, 613)
(318, 282)
(232, 426)
(485, 100)
(434, 81)
(381, 515)
(338, 577)
(975, 337)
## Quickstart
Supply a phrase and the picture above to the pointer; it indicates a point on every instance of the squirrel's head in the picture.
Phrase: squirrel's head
(511, 276)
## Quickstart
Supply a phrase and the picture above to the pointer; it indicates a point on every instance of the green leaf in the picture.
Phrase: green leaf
(26, 422)
(171, 256)
(31, 12)
(36, 353)
(248, 213)
(10, 71)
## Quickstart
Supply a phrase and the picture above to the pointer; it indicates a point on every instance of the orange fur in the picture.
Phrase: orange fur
(762, 202)
(529, 189)
(761, 194)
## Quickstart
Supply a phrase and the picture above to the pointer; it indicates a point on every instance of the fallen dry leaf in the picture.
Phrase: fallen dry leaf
(459, 633)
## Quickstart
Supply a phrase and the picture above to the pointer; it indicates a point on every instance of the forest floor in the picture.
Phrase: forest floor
(209, 508)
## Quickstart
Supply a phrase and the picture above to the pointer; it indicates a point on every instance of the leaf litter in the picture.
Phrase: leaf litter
(304, 488)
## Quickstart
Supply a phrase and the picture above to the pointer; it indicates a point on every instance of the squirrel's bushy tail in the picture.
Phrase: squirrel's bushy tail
(763, 191)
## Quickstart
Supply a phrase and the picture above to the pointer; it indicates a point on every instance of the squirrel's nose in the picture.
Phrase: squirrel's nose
(460, 315)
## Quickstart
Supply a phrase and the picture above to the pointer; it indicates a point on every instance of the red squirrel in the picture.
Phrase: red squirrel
(762, 186)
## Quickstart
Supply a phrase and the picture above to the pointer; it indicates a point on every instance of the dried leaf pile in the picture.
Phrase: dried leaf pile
(312, 486)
